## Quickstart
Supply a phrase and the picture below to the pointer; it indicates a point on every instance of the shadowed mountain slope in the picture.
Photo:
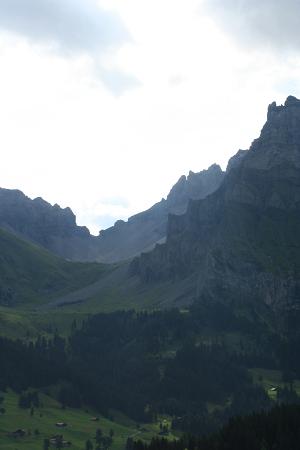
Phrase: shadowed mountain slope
(243, 241)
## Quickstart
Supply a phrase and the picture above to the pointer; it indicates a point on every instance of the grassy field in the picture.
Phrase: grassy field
(79, 429)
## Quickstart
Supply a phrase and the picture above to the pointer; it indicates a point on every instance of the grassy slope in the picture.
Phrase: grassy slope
(35, 275)
(50, 292)
(79, 429)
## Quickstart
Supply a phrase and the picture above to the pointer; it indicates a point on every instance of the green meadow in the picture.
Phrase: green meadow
(42, 425)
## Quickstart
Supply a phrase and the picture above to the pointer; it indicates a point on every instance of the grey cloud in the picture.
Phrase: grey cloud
(272, 24)
(73, 25)
(70, 27)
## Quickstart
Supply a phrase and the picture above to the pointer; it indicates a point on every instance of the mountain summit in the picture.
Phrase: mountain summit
(279, 142)
(242, 243)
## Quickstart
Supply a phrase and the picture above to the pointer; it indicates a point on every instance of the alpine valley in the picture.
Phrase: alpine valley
(169, 323)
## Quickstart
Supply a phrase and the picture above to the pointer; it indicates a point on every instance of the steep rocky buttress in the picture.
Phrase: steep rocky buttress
(243, 241)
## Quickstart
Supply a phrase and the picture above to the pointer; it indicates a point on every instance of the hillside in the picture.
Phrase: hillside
(30, 274)
(242, 243)
(80, 426)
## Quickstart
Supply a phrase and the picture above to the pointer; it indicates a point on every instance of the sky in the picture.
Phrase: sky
(104, 104)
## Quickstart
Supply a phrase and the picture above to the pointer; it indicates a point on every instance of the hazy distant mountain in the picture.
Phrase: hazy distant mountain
(55, 228)
(142, 231)
(243, 241)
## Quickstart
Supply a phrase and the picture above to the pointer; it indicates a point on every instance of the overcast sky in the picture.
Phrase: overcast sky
(104, 104)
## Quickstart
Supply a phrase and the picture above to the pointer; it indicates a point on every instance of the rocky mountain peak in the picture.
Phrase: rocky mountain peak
(292, 101)
(194, 186)
(144, 230)
(241, 243)
(274, 110)
(279, 142)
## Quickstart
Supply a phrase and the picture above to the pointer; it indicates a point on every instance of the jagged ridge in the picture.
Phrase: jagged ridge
(142, 231)
(243, 241)
(55, 228)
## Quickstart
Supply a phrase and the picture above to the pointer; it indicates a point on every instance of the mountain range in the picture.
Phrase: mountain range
(231, 236)
(55, 228)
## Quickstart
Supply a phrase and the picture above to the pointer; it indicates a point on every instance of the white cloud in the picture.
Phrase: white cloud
(66, 138)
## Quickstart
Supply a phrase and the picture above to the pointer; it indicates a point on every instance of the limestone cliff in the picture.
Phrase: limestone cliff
(243, 241)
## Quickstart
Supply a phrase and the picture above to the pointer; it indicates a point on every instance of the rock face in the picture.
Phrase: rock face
(142, 231)
(50, 226)
(243, 241)
(236, 160)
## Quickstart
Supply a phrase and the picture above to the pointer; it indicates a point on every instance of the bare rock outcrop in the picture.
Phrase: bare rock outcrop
(243, 241)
